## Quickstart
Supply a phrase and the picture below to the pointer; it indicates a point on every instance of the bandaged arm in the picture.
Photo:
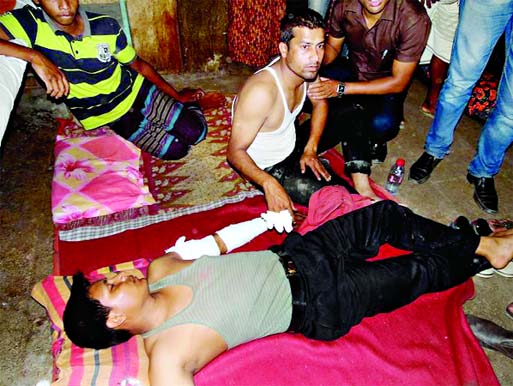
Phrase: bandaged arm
(225, 240)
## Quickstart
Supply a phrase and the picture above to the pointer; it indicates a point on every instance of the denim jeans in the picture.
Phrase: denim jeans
(480, 26)
(384, 113)
(341, 287)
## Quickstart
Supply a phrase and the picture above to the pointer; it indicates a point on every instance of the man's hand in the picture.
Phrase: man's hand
(311, 160)
(323, 88)
(190, 95)
(276, 197)
(194, 249)
(281, 221)
(54, 79)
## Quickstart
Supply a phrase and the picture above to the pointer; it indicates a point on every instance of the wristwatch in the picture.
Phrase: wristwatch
(341, 87)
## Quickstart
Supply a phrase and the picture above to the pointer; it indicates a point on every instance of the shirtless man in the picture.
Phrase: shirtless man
(263, 146)
(181, 309)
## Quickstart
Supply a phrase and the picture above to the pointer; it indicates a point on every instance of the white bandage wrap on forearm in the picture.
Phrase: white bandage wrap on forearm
(194, 249)
(239, 234)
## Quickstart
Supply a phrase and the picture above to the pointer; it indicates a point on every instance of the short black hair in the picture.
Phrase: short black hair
(85, 319)
(306, 18)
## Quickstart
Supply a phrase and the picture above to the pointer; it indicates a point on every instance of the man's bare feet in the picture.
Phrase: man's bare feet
(211, 100)
(497, 248)
(362, 186)
(428, 109)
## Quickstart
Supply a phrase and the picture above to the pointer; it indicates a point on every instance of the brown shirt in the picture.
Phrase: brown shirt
(401, 33)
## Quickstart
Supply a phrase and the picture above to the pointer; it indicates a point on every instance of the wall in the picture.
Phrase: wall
(203, 25)
(176, 35)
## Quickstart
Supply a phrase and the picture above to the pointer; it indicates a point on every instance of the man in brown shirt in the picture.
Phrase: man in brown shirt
(385, 39)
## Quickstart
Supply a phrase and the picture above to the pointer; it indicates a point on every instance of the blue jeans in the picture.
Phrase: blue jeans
(384, 113)
(481, 25)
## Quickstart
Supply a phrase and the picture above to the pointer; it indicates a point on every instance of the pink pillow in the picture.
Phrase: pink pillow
(96, 176)
(125, 364)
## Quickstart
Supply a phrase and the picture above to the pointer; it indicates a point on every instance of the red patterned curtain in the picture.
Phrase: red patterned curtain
(254, 30)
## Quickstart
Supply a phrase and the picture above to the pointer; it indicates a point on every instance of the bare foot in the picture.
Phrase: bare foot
(497, 248)
(211, 100)
(362, 186)
(428, 109)
(509, 310)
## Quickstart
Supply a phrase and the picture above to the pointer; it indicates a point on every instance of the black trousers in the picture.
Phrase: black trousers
(341, 287)
(382, 113)
(301, 186)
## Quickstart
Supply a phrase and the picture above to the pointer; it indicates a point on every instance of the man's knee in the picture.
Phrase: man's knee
(191, 126)
(384, 127)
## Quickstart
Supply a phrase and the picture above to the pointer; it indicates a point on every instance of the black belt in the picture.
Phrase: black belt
(298, 294)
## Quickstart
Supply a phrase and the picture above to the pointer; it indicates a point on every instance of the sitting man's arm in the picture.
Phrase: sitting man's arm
(317, 123)
(402, 71)
(253, 107)
(54, 79)
(146, 70)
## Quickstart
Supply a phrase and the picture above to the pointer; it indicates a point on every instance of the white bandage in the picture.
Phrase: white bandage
(279, 221)
(239, 234)
(193, 249)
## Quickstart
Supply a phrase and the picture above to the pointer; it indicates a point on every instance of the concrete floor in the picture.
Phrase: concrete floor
(26, 231)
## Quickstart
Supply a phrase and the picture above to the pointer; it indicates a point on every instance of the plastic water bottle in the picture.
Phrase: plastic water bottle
(395, 177)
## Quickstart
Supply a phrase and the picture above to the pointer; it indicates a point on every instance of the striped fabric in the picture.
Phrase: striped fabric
(102, 86)
(75, 366)
(168, 128)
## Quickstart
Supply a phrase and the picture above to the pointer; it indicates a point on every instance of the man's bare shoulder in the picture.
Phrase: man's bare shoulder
(166, 265)
(260, 86)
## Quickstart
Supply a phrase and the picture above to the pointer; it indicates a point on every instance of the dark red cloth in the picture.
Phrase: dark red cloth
(151, 241)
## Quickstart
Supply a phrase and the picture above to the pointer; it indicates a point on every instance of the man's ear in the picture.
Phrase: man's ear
(115, 319)
(284, 49)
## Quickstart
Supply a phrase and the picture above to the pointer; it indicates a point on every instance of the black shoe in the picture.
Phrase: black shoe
(492, 336)
(463, 224)
(421, 170)
(378, 152)
(482, 227)
(485, 194)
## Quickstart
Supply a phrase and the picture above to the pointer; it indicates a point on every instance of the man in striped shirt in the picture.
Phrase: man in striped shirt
(85, 59)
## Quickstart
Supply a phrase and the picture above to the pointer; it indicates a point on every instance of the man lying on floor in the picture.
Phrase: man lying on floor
(319, 285)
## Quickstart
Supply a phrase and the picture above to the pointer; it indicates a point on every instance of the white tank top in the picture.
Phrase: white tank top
(272, 147)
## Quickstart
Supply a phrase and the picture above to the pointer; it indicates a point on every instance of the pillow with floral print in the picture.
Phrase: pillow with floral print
(96, 176)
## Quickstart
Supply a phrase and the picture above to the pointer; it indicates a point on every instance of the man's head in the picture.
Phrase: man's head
(85, 319)
(302, 43)
(307, 19)
(373, 7)
(62, 12)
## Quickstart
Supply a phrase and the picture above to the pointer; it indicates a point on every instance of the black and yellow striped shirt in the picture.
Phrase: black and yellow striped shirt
(102, 85)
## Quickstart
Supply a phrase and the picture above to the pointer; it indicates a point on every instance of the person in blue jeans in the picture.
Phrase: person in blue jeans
(384, 42)
(471, 50)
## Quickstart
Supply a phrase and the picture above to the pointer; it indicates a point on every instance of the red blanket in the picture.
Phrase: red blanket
(425, 343)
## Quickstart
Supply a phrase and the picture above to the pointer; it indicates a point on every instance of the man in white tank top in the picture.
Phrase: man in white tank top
(263, 131)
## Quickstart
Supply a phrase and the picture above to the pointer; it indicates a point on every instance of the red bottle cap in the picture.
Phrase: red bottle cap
(400, 162)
